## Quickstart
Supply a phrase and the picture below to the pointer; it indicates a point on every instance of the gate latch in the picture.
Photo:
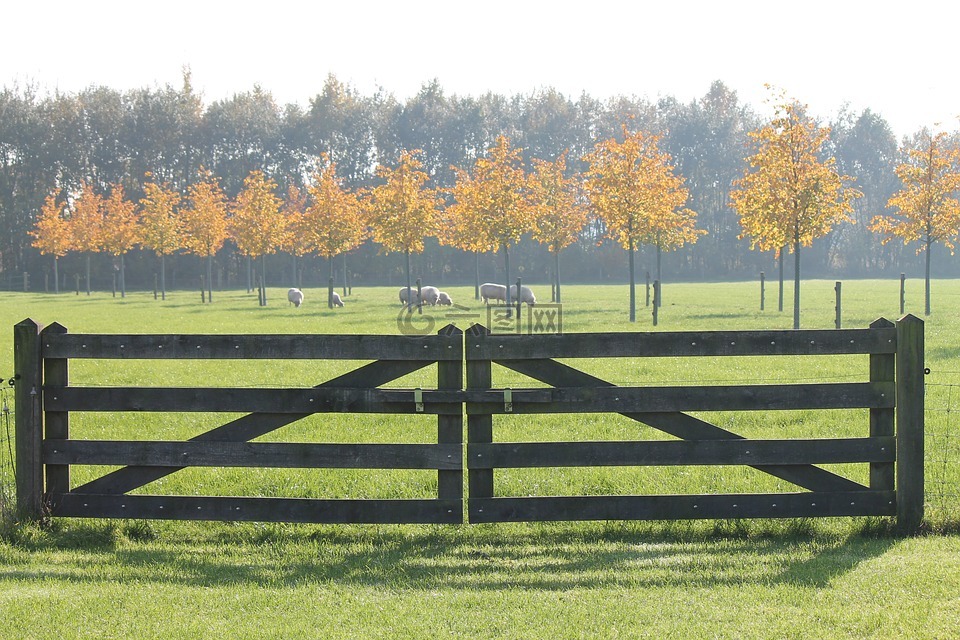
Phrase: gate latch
(508, 400)
(418, 399)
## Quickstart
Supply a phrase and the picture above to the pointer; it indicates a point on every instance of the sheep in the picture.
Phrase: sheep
(526, 295)
(335, 299)
(408, 296)
(444, 299)
(295, 296)
(491, 291)
(429, 295)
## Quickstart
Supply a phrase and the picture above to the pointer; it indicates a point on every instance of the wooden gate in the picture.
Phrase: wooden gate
(45, 401)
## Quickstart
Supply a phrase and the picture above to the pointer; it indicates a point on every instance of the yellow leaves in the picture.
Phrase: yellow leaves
(928, 210)
(160, 225)
(257, 226)
(633, 188)
(121, 223)
(790, 197)
(403, 211)
(333, 222)
(204, 219)
(86, 220)
(52, 231)
(559, 211)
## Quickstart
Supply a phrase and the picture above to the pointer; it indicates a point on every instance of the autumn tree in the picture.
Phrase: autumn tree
(294, 241)
(86, 225)
(788, 196)
(633, 188)
(402, 210)
(121, 229)
(333, 222)
(559, 211)
(927, 207)
(160, 226)
(257, 226)
(495, 197)
(460, 228)
(52, 234)
(204, 220)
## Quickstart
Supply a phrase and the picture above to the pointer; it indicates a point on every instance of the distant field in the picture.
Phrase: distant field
(756, 579)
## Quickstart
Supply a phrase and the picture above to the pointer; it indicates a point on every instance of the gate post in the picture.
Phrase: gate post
(479, 427)
(450, 428)
(56, 424)
(909, 423)
(882, 369)
(29, 424)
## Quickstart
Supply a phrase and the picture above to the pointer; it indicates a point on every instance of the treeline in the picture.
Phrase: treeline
(168, 135)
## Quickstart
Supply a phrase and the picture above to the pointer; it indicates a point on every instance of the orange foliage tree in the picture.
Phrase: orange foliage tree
(633, 188)
(293, 209)
(86, 224)
(160, 226)
(459, 227)
(494, 199)
(121, 229)
(52, 234)
(402, 211)
(788, 195)
(257, 225)
(928, 209)
(559, 211)
(204, 221)
(333, 223)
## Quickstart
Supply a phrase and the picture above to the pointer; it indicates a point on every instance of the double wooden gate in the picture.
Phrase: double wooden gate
(891, 446)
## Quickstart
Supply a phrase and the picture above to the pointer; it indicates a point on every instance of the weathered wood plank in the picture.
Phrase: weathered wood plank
(251, 426)
(882, 369)
(257, 509)
(479, 427)
(772, 397)
(283, 347)
(681, 343)
(680, 452)
(450, 427)
(28, 427)
(682, 425)
(231, 400)
(253, 454)
(909, 423)
(56, 424)
(683, 507)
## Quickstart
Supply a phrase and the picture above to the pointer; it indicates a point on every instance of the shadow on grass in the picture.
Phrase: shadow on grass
(478, 558)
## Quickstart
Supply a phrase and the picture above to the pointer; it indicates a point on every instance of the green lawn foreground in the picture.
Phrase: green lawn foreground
(757, 579)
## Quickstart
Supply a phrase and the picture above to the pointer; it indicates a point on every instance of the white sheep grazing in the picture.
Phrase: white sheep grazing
(336, 300)
(444, 299)
(295, 296)
(408, 296)
(429, 295)
(491, 291)
(526, 295)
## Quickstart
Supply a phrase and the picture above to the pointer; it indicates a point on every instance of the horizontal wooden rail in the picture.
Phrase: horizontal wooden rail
(253, 454)
(244, 509)
(685, 343)
(684, 507)
(662, 399)
(680, 452)
(220, 399)
(285, 347)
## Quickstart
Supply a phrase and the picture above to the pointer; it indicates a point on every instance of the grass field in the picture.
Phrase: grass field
(747, 579)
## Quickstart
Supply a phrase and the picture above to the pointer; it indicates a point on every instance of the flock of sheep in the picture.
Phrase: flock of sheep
(433, 296)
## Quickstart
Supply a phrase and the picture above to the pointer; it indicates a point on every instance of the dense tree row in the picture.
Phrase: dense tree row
(102, 138)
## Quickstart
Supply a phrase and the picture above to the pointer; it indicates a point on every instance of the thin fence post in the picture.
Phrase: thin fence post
(419, 297)
(519, 324)
(909, 423)
(479, 426)
(330, 293)
(762, 290)
(836, 321)
(450, 427)
(28, 374)
(656, 301)
(882, 369)
(903, 292)
(154, 286)
(56, 424)
(203, 291)
(77, 275)
(648, 287)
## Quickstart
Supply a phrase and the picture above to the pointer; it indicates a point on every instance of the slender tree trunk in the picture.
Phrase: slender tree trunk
(56, 274)
(659, 275)
(123, 276)
(556, 271)
(926, 287)
(796, 283)
(163, 276)
(476, 275)
(249, 274)
(210, 278)
(506, 265)
(633, 285)
(344, 274)
(409, 288)
(88, 274)
(780, 299)
(263, 278)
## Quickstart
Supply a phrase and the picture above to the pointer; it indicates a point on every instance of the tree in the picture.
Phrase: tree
(789, 196)
(295, 242)
(403, 210)
(559, 213)
(121, 229)
(52, 234)
(496, 197)
(204, 222)
(257, 226)
(160, 226)
(86, 225)
(928, 208)
(634, 190)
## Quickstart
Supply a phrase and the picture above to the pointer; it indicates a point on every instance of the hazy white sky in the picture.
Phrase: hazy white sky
(895, 58)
